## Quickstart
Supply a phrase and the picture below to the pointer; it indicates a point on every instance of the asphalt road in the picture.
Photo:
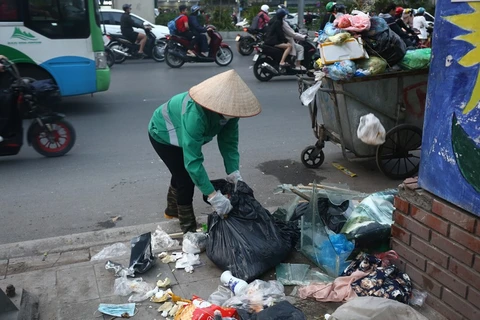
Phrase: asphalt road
(113, 170)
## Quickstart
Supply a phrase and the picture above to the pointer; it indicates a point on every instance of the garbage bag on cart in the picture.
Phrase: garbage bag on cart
(342, 70)
(416, 59)
(250, 240)
(384, 43)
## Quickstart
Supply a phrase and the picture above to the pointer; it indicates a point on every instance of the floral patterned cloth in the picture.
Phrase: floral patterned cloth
(384, 282)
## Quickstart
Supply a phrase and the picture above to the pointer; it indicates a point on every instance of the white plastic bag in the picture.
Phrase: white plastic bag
(194, 242)
(112, 251)
(161, 239)
(124, 286)
(187, 260)
(309, 94)
(370, 130)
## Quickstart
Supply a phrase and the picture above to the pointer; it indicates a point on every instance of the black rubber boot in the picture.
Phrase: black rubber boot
(187, 218)
(171, 211)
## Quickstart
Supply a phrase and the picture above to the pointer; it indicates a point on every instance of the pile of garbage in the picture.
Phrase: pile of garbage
(329, 224)
(359, 46)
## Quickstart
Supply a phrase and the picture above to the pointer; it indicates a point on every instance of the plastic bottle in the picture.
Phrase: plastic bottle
(235, 284)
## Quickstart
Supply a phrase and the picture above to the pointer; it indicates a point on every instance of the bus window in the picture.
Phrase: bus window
(58, 19)
(9, 10)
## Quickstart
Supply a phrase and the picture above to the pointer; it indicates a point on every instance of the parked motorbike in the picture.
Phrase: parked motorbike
(123, 48)
(246, 44)
(49, 134)
(176, 50)
(267, 61)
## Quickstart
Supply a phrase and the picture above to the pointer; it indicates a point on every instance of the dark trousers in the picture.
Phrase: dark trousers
(191, 37)
(173, 158)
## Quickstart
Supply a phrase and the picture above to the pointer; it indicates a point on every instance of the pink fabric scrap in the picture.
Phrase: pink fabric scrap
(337, 291)
(356, 23)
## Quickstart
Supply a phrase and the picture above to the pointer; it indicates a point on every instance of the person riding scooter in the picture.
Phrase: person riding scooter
(183, 30)
(275, 36)
(126, 26)
(198, 30)
(297, 50)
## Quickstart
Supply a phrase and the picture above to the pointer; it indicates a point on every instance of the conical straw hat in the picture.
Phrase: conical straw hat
(228, 94)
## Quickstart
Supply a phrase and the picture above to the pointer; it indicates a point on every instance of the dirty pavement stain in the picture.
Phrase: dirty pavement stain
(110, 223)
(288, 171)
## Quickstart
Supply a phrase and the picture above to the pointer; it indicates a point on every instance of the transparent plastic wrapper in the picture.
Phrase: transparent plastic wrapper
(119, 269)
(342, 70)
(358, 23)
(299, 274)
(416, 59)
(222, 295)
(371, 220)
(160, 239)
(309, 94)
(194, 242)
(124, 286)
(373, 65)
(258, 295)
(187, 259)
(418, 297)
(143, 292)
(370, 130)
(112, 251)
(330, 30)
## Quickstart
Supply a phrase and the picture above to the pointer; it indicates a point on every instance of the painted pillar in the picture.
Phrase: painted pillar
(450, 165)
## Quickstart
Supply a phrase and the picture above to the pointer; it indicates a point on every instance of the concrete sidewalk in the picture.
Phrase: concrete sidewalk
(70, 286)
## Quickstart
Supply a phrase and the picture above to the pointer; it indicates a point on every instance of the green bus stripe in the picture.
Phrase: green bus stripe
(14, 55)
(96, 32)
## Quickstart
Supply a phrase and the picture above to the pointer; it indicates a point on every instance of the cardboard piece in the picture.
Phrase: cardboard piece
(351, 49)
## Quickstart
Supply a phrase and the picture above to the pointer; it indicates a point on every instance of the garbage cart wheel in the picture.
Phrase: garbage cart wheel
(399, 156)
(312, 157)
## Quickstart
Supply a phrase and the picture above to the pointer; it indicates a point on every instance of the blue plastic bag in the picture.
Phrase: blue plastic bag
(342, 70)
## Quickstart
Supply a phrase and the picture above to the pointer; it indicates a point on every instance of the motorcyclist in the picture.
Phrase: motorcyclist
(297, 49)
(126, 26)
(198, 30)
(183, 30)
(263, 18)
(276, 36)
(329, 17)
(420, 23)
(389, 16)
(180, 127)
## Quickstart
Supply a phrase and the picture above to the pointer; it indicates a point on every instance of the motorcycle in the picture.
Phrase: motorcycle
(49, 134)
(110, 57)
(123, 48)
(267, 61)
(246, 44)
(176, 50)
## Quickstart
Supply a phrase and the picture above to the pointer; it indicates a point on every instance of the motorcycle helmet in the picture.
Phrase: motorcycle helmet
(265, 8)
(398, 11)
(126, 6)
(281, 13)
(421, 10)
(330, 6)
(195, 8)
(281, 6)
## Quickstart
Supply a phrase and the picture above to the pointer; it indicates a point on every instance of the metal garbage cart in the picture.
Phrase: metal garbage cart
(397, 99)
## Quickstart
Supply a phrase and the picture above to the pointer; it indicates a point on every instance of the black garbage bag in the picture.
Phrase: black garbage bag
(331, 214)
(141, 257)
(387, 45)
(250, 241)
(283, 310)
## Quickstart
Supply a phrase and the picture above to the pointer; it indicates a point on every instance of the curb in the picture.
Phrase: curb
(81, 240)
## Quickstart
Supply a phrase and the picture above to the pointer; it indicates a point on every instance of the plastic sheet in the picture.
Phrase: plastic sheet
(299, 274)
(371, 220)
(124, 286)
(342, 70)
(309, 94)
(194, 242)
(250, 241)
(370, 130)
(416, 59)
(221, 296)
(418, 298)
(373, 308)
(257, 296)
(112, 251)
(161, 240)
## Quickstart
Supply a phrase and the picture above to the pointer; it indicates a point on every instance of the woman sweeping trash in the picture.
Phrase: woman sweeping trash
(180, 127)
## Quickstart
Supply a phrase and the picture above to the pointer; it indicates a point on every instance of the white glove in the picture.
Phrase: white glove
(221, 204)
(234, 177)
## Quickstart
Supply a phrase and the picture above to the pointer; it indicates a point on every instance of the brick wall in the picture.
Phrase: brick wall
(439, 246)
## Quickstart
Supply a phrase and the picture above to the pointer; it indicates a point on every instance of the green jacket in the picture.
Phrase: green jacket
(181, 122)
